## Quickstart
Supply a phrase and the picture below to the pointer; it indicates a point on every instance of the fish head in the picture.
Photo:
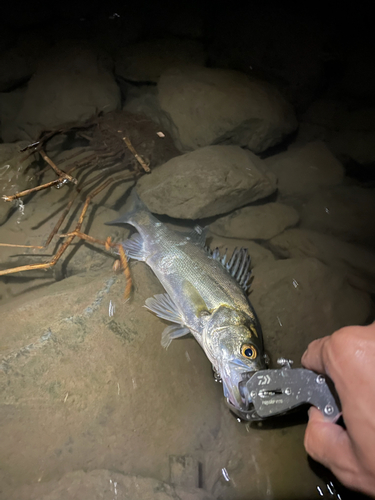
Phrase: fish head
(236, 347)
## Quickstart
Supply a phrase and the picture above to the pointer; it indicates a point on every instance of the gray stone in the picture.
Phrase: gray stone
(145, 61)
(206, 182)
(305, 169)
(299, 300)
(258, 222)
(18, 63)
(347, 212)
(16, 174)
(348, 132)
(71, 84)
(356, 262)
(216, 106)
(10, 106)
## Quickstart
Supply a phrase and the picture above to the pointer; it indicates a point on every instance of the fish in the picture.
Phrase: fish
(205, 295)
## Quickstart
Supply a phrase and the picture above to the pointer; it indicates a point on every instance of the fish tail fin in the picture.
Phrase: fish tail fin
(137, 209)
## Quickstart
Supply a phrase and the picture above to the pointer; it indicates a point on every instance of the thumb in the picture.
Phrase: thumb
(330, 445)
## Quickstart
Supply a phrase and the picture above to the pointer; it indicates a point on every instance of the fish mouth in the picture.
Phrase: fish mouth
(231, 373)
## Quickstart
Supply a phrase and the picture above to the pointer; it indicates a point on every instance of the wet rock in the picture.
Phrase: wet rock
(259, 222)
(299, 300)
(356, 262)
(257, 253)
(206, 182)
(18, 63)
(305, 169)
(145, 61)
(90, 374)
(347, 212)
(146, 103)
(15, 175)
(106, 485)
(71, 84)
(10, 105)
(233, 109)
(348, 131)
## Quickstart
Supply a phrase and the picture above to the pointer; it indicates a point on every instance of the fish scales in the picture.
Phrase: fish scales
(201, 298)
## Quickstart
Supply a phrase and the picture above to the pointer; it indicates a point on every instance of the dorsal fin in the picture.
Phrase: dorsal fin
(237, 266)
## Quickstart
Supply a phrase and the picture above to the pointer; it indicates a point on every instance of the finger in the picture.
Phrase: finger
(330, 445)
(312, 358)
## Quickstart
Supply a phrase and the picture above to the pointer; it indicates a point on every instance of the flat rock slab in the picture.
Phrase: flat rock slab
(145, 61)
(299, 300)
(260, 222)
(355, 261)
(105, 485)
(210, 181)
(218, 106)
(305, 169)
(347, 212)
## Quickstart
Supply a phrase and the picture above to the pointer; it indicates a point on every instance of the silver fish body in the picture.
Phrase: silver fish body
(203, 296)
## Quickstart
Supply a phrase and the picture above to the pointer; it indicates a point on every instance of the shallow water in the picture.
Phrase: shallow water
(86, 385)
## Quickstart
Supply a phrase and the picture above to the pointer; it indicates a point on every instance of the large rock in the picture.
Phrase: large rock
(18, 63)
(304, 169)
(299, 300)
(81, 371)
(145, 61)
(348, 131)
(216, 106)
(71, 84)
(206, 182)
(347, 212)
(356, 262)
(16, 174)
(259, 222)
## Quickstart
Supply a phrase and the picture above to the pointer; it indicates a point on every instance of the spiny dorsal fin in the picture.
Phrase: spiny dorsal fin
(237, 266)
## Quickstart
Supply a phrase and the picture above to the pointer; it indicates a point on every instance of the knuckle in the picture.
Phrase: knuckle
(341, 346)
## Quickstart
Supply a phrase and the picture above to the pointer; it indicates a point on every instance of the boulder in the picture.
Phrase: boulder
(10, 106)
(356, 262)
(259, 222)
(210, 181)
(145, 61)
(348, 130)
(304, 169)
(18, 63)
(299, 300)
(347, 212)
(217, 106)
(71, 84)
(16, 174)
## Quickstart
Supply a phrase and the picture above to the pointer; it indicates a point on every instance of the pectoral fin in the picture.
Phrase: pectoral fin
(195, 299)
(164, 307)
(134, 248)
(173, 332)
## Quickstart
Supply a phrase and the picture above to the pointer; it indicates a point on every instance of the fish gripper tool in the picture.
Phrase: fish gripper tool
(267, 393)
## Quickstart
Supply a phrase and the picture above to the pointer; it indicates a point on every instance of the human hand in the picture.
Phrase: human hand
(348, 358)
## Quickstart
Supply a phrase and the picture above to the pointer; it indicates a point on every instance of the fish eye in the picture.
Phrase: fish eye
(248, 351)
